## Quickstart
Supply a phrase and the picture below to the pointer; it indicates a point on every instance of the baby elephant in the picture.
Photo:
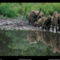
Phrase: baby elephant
(40, 21)
(47, 23)
(40, 14)
(55, 21)
(44, 22)
(32, 17)
(58, 22)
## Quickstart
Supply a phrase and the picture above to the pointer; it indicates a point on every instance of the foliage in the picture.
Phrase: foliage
(16, 9)
(9, 9)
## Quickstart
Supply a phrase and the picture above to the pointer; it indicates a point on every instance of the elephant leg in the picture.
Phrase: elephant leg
(43, 27)
(59, 28)
(49, 27)
(52, 28)
(56, 29)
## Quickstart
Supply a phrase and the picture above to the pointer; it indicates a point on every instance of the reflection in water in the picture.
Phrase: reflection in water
(32, 36)
(48, 38)
(15, 43)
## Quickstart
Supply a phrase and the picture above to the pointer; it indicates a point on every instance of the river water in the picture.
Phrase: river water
(29, 43)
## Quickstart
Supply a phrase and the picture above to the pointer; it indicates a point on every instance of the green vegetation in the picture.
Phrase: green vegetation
(13, 10)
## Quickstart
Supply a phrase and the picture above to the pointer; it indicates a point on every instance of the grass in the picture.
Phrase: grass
(13, 10)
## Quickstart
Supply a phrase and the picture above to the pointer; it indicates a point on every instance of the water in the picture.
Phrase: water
(28, 43)
(48, 38)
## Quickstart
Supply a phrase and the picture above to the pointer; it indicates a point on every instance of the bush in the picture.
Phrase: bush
(9, 9)
(16, 9)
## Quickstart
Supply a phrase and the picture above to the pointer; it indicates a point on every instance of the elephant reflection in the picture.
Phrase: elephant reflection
(48, 38)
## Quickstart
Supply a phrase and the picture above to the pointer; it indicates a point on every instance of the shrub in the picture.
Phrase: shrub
(9, 9)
